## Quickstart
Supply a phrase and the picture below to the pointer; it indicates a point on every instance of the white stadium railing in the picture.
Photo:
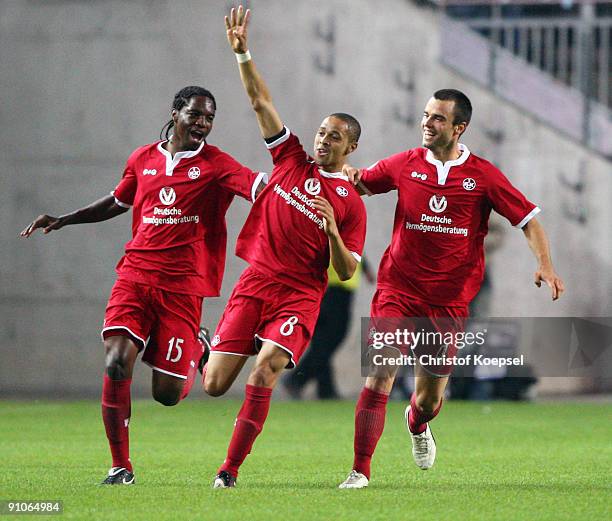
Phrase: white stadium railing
(546, 66)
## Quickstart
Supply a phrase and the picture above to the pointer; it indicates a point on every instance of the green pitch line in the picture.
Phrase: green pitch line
(495, 461)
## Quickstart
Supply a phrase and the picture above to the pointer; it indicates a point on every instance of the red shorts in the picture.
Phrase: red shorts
(435, 348)
(262, 310)
(163, 323)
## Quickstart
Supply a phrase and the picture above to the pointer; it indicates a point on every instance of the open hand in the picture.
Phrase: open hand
(552, 280)
(353, 174)
(46, 222)
(236, 25)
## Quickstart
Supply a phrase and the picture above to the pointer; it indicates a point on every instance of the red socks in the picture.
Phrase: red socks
(249, 424)
(369, 425)
(193, 370)
(417, 419)
(116, 409)
(191, 375)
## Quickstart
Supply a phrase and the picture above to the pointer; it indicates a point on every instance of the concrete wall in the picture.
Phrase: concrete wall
(84, 83)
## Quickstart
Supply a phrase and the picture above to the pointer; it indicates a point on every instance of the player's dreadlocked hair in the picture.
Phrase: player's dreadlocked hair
(181, 98)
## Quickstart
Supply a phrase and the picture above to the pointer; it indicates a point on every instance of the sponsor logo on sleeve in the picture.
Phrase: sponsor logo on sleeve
(216, 341)
(194, 172)
(342, 191)
(437, 205)
(469, 184)
(312, 186)
(146, 171)
(167, 195)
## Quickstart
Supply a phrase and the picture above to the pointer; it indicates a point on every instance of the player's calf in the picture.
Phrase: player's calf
(427, 404)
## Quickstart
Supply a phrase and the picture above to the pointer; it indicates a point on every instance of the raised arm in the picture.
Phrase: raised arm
(538, 242)
(269, 121)
(100, 210)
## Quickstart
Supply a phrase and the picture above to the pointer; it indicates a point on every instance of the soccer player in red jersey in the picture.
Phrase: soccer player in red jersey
(308, 215)
(435, 263)
(180, 189)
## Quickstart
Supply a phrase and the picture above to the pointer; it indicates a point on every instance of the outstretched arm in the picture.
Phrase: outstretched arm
(100, 210)
(269, 121)
(538, 242)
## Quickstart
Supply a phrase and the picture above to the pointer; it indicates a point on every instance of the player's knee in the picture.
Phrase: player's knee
(166, 397)
(213, 387)
(118, 361)
(264, 374)
(116, 366)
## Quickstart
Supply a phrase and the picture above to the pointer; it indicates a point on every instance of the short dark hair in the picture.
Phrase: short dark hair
(354, 128)
(463, 106)
(181, 98)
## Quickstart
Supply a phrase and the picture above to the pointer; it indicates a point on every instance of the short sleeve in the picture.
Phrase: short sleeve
(237, 178)
(510, 202)
(286, 149)
(125, 191)
(380, 178)
(353, 228)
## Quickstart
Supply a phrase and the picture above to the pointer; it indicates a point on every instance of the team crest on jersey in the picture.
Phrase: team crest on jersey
(194, 172)
(341, 191)
(437, 205)
(312, 186)
(469, 184)
(418, 175)
(146, 171)
(167, 195)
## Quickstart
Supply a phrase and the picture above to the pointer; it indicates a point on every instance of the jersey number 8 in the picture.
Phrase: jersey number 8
(287, 328)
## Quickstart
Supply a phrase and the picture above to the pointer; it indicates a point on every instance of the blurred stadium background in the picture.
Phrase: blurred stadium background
(84, 83)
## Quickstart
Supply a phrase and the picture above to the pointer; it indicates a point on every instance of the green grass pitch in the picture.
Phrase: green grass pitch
(495, 461)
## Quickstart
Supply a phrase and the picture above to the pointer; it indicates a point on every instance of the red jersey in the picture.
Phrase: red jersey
(178, 224)
(283, 236)
(436, 253)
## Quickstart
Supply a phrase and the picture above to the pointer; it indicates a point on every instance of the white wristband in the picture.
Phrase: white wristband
(243, 58)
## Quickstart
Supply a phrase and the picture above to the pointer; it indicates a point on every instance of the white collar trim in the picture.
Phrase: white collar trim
(443, 169)
(333, 175)
(172, 162)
